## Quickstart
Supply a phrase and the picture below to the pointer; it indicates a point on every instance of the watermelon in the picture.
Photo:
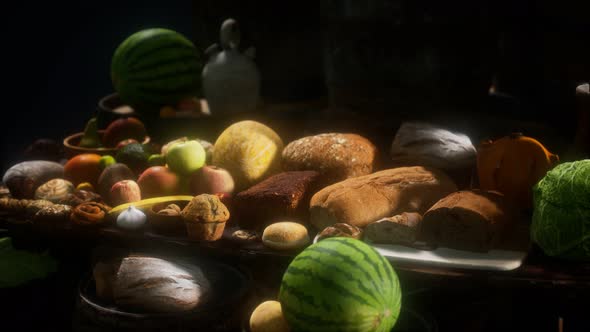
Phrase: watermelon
(340, 284)
(561, 215)
(156, 67)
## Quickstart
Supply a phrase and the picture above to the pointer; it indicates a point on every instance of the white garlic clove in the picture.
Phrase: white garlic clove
(131, 219)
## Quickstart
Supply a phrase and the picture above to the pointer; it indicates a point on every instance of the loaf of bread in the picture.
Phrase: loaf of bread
(400, 229)
(149, 284)
(365, 199)
(284, 196)
(336, 156)
(422, 144)
(466, 220)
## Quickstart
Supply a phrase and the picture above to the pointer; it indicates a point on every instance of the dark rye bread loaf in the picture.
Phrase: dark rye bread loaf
(336, 156)
(466, 220)
(280, 197)
(365, 199)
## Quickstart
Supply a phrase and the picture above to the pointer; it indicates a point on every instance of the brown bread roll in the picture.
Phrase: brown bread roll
(285, 236)
(336, 156)
(365, 199)
(466, 220)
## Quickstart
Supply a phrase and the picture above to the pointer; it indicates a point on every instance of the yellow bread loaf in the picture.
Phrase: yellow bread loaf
(285, 235)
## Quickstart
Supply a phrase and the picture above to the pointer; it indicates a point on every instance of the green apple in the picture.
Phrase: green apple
(186, 157)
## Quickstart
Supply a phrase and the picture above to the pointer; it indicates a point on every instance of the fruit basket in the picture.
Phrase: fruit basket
(72, 148)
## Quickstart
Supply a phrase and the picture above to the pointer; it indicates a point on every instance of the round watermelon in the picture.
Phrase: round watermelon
(156, 67)
(340, 284)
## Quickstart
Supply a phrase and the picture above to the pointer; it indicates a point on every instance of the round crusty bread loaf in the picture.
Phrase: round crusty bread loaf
(285, 235)
(268, 317)
(336, 156)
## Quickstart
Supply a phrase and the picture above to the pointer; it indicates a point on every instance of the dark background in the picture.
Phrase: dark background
(400, 56)
(388, 58)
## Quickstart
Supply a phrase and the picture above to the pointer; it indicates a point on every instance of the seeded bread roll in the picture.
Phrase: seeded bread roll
(400, 229)
(470, 220)
(336, 156)
(362, 200)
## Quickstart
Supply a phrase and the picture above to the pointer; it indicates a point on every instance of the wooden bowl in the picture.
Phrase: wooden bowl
(72, 149)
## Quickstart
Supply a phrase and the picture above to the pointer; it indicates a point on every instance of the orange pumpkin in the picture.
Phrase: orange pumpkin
(512, 165)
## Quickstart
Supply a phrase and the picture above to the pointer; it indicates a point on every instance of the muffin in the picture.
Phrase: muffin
(205, 217)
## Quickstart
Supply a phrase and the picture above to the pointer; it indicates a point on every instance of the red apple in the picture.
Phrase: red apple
(211, 180)
(158, 181)
(122, 129)
(125, 191)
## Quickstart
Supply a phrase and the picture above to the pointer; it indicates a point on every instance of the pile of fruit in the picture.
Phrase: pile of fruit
(275, 193)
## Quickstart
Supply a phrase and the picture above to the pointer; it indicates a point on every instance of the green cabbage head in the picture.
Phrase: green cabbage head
(561, 216)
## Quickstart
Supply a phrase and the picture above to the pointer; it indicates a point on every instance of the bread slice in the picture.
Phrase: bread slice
(399, 229)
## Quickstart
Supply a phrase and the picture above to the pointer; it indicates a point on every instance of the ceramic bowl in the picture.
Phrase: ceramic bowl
(72, 149)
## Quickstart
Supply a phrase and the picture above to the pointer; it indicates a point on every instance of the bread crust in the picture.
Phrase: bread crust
(466, 220)
(365, 199)
(335, 156)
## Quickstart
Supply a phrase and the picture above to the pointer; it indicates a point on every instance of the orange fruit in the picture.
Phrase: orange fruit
(83, 168)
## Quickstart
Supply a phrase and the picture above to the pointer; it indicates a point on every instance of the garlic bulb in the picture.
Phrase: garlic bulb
(131, 219)
(54, 190)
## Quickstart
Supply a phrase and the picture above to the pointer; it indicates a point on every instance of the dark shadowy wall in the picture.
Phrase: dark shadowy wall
(56, 62)
(56, 56)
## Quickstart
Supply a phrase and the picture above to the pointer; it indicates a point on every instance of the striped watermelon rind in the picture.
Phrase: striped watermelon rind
(156, 67)
(340, 284)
